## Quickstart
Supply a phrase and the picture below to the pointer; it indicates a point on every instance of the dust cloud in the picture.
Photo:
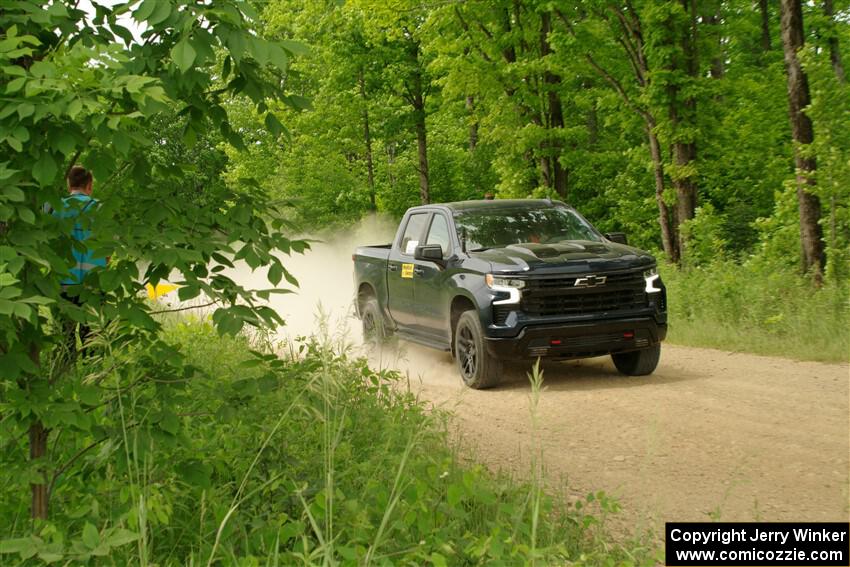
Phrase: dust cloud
(323, 303)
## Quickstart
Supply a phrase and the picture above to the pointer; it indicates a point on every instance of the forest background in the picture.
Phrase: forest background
(713, 133)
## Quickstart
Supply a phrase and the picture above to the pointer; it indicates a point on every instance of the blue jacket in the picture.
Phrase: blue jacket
(85, 261)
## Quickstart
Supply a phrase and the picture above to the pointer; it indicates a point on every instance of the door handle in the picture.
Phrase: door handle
(418, 271)
(392, 267)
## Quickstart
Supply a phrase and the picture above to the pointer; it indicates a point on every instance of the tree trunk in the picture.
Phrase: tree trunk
(811, 235)
(38, 450)
(555, 114)
(684, 116)
(416, 98)
(421, 139)
(367, 137)
(834, 53)
(669, 241)
(765, 25)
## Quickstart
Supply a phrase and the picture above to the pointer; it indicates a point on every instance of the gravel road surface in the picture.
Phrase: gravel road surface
(711, 435)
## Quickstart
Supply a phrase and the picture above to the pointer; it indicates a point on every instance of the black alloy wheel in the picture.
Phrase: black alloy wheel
(477, 368)
(372, 322)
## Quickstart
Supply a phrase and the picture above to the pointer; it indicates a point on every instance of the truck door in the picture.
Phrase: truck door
(400, 271)
(431, 288)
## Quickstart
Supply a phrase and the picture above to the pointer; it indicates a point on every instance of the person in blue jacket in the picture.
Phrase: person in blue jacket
(77, 205)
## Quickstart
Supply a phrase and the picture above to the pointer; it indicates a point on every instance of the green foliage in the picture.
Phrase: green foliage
(232, 455)
(758, 306)
(490, 81)
(147, 118)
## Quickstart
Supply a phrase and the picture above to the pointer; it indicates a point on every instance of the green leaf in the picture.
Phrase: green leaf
(278, 57)
(294, 47)
(195, 473)
(90, 536)
(275, 273)
(50, 556)
(6, 173)
(15, 85)
(144, 11)
(18, 545)
(170, 423)
(44, 170)
(65, 143)
(160, 13)
(26, 215)
(14, 194)
(15, 144)
(259, 49)
(88, 394)
(25, 109)
(9, 292)
(121, 537)
(183, 55)
(188, 292)
(274, 125)
(74, 108)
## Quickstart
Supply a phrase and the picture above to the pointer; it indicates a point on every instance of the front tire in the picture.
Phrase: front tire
(477, 368)
(638, 362)
(374, 327)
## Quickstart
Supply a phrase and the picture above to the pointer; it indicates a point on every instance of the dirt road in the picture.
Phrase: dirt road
(711, 434)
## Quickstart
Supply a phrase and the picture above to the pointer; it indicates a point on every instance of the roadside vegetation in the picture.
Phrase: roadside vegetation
(259, 460)
(753, 307)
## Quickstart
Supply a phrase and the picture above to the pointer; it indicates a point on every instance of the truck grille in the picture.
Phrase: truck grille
(622, 291)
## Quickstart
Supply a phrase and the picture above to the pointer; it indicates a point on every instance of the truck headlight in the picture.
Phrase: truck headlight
(651, 276)
(495, 281)
(510, 286)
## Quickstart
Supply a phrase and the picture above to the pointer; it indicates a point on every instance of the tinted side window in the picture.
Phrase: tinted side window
(412, 233)
(439, 233)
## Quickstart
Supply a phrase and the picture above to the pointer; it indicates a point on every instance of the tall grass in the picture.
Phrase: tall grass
(310, 459)
(759, 308)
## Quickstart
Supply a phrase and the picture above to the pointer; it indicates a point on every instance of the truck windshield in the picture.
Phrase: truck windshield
(496, 228)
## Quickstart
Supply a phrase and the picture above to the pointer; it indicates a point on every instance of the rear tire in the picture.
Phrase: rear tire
(374, 327)
(638, 362)
(477, 368)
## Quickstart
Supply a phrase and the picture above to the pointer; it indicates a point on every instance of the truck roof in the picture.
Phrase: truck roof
(481, 204)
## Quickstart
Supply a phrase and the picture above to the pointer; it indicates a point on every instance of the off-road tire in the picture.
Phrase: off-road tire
(638, 362)
(374, 327)
(477, 368)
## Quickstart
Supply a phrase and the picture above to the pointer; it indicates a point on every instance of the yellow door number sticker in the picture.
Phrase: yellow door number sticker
(407, 270)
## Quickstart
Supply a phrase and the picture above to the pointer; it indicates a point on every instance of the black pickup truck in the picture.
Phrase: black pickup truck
(500, 280)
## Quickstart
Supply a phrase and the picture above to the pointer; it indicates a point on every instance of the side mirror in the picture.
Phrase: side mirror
(429, 252)
(618, 237)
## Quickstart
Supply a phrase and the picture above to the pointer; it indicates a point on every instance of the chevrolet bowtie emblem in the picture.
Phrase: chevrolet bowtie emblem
(590, 281)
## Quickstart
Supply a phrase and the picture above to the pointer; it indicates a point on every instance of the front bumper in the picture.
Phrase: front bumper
(579, 340)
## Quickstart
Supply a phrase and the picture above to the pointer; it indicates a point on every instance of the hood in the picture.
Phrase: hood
(575, 256)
